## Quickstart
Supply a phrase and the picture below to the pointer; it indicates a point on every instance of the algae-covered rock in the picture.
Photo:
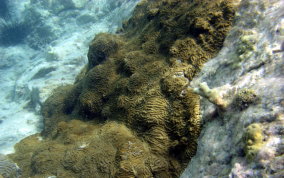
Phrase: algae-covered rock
(243, 138)
(134, 115)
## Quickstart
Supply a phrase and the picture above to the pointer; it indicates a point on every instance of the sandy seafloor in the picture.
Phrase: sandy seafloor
(51, 52)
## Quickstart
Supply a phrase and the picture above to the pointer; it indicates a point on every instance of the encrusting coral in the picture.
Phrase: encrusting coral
(244, 98)
(130, 112)
(253, 140)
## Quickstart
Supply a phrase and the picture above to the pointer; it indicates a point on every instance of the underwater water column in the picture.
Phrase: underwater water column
(43, 44)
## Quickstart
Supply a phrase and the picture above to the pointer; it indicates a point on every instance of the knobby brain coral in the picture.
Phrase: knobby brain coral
(130, 113)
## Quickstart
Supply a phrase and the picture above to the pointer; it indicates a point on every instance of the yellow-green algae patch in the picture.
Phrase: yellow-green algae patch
(253, 140)
(130, 113)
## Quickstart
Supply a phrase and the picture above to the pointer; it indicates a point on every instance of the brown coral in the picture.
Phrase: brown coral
(137, 78)
(155, 111)
(90, 103)
(102, 47)
(158, 139)
(188, 49)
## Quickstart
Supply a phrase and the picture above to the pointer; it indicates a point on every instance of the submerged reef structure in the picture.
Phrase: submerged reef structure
(242, 102)
(130, 112)
(8, 169)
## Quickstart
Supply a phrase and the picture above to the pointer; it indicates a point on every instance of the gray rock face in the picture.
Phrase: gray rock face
(242, 98)
(8, 169)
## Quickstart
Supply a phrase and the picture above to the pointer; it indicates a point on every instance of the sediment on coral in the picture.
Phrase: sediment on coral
(130, 112)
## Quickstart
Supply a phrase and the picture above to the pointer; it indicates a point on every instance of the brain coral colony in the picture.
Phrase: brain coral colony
(129, 113)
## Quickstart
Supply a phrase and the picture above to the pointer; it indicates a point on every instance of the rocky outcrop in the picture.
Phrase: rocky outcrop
(242, 105)
(130, 112)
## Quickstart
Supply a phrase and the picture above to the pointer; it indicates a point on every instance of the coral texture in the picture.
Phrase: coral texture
(253, 140)
(138, 118)
(245, 97)
(8, 169)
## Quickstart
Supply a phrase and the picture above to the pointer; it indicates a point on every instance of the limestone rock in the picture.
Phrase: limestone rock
(245, 138)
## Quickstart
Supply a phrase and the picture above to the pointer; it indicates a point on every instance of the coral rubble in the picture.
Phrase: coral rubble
(130, 113)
